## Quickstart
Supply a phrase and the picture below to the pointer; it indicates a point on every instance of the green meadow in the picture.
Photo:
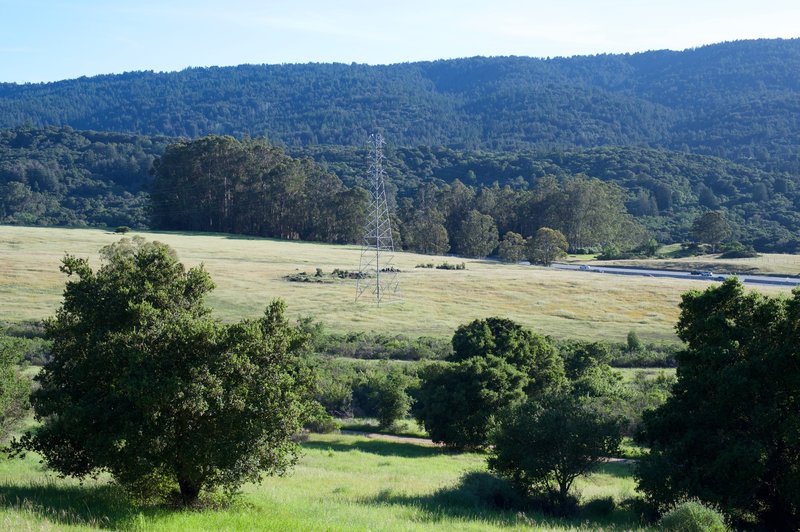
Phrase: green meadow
(341, 482)
(249, 272)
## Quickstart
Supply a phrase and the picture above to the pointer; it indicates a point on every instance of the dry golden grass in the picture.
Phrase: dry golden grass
(249, 272)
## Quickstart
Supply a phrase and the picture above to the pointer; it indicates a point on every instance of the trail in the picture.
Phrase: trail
(391, 437)
(428, 442)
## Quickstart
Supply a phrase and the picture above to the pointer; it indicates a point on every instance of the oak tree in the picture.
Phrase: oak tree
(145, 385)
(730, 432)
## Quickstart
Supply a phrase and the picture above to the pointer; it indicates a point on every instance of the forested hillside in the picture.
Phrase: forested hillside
(665, 190)
(59, 176)
(739, 101)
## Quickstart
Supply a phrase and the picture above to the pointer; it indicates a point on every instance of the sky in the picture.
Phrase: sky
(62, 39)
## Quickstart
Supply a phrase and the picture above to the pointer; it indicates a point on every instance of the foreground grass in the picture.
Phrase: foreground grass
(249, 272)
(341, 483)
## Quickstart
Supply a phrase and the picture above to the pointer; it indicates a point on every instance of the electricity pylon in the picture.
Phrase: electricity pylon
(377, 274)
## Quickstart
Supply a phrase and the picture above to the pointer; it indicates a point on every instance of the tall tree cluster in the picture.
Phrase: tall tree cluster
(251, 187)
(221, 184)
(587, 212)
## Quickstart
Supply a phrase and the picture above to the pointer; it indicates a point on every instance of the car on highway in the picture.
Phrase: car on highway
(583, 268)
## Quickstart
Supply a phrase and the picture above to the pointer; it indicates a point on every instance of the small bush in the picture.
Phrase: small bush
(303, 277)
(320, 421)
(323, 425)
(448, 266)
(644, 510)
(737, 250)
(346, 274)
(634, 343)
(551, 503)
(122, 229)
(478, 489)
(150, 489)
(596, 508)
(443, 266)
(739, 254)
(390, 397)
(693, 516)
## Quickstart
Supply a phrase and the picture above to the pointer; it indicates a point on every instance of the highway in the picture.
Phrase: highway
(764, 280)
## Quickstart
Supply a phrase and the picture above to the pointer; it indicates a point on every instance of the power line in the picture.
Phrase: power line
(377, 274)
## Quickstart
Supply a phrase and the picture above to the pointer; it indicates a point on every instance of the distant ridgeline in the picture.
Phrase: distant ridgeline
(737, 100)
(445, 199)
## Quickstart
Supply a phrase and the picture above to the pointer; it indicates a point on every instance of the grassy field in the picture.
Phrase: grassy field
(628, 374)
(341, 483)
(403, 427)
(249, 272)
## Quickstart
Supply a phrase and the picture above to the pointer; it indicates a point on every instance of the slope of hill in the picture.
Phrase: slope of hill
(665, 189)
(60, 176)
(736, 100)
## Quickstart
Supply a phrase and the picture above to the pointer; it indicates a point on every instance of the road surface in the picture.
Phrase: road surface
(763, 280)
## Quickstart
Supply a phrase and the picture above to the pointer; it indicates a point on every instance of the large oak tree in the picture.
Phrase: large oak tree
(730, 432)
(145, 385)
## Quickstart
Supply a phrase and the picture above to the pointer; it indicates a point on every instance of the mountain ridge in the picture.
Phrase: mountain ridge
(738, 100)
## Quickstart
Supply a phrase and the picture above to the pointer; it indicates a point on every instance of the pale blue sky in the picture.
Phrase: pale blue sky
(43, 40)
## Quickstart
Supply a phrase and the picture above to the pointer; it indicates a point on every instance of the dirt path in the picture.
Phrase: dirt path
(390, 437)
(426, 441)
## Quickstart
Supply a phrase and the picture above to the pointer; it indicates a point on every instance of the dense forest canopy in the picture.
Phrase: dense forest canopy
(59, 176)
(665, 190)
(669, 136)
(218, 183)
(736, 100)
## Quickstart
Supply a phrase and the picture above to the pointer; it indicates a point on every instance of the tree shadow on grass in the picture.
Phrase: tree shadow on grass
(89, 506)
(379, 447)
(481, 497)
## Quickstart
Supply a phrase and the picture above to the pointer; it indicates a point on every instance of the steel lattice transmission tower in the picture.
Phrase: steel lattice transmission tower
(377, 274)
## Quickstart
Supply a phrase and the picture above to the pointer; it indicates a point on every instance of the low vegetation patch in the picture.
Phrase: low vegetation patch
(442, 266)
(320, 277)
(692, 516)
